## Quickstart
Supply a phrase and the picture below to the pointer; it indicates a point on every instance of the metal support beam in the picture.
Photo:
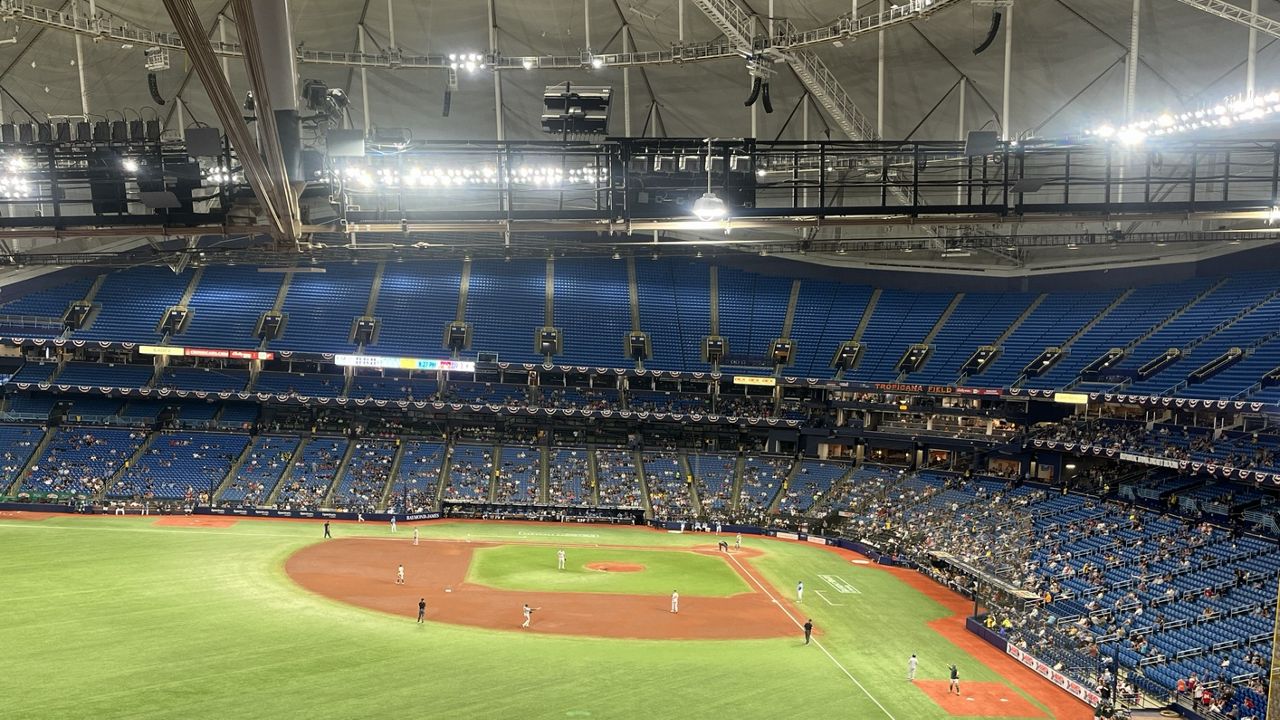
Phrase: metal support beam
(364, 81)
(1251, 67)
(187, 22)
(880, 79)
(1131, 65)
(1005, 125)
(1227, 11)
(497, 77)
(84, 89)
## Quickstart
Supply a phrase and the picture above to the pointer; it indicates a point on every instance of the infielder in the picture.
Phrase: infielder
(393, 523)
(675, 601)
(911, 667)
(528, 615)
(415, 536)
(560, 559)
(737, 542)
(800, 591)
(400, 575)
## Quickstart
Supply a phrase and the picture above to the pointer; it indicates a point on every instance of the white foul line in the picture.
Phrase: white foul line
(824, 597)
(815, 640)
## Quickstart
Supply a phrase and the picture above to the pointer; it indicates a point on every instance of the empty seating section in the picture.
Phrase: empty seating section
(418, 476)
(145, 410)
(393, 387)
(596, 337)
(568, 473)
(470, 473)
(320, 308)
(811, 482)
(180, 464)
(33, 406)
(668, 401)
(48, 304)
(979, 319)
(1052, 323)
(34, 373)
(88, 407)
(900, 319)
(761, 478)
(234, 414)
(826, 315)
(675, 309)
(205, 379)
(752, 308)
(196, 411)
(506, 304)
(714, 477)
(266, 463)
(226, 306)
(310, 385)
(105, 375)
(490, 393)
(617, 479)
(366, 475)
(131, 303)
(667, 486)
(518, 472)
(313, 472)
(415, 303)
(1233, 297)
(18, 443)
(1135, 316)
(80, 460)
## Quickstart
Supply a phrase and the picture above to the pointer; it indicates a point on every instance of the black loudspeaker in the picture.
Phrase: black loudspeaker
(991, 34)
(981, 142)
(154, 88)
(84, 132)
(448, 100)
(119, 131)
(106, 184)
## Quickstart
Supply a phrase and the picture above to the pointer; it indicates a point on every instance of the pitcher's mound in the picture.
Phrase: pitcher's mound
(614, 567)
(981, 699)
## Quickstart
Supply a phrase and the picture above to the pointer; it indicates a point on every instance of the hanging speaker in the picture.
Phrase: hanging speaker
(991, 34)
(448, 100)
(154, 88)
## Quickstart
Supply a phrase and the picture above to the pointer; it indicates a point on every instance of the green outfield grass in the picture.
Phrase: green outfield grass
(527, 567)
(116, 617)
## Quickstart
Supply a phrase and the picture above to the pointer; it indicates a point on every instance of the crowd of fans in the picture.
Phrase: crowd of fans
(312, 475)
(470, 473)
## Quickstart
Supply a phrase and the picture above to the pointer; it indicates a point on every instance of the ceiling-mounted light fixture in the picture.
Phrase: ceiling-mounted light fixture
(709, 207)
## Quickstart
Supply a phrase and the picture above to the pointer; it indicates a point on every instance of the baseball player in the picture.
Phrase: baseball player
(528, 615)
(326, 530)
(737, 542)
(955, 680)
(808, 630)
(393, 523)
(911, 667)
(560, 559)
(400, 575)
(415, 536)
(800, 591)
(675, 601)
(422, 609)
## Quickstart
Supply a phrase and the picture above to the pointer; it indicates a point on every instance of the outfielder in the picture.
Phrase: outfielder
(560, 559)
(800, 591)
(911, 667)
(415, 536)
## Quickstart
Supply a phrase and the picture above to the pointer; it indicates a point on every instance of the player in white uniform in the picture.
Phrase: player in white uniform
(415, 536)
(675, 601)
(393, 523)
(800, 591)
(400, 575)
(560, 559)
(737, 542)
(911, 667)
(528, 615)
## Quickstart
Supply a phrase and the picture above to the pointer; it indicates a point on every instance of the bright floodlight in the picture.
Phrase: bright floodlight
(130, 165)
(709, 207)
(1273, 215)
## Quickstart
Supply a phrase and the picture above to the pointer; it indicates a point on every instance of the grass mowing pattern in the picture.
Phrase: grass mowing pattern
(525, 567)
(115, 617)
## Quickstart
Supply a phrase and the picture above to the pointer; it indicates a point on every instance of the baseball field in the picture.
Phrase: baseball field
(168, 617)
